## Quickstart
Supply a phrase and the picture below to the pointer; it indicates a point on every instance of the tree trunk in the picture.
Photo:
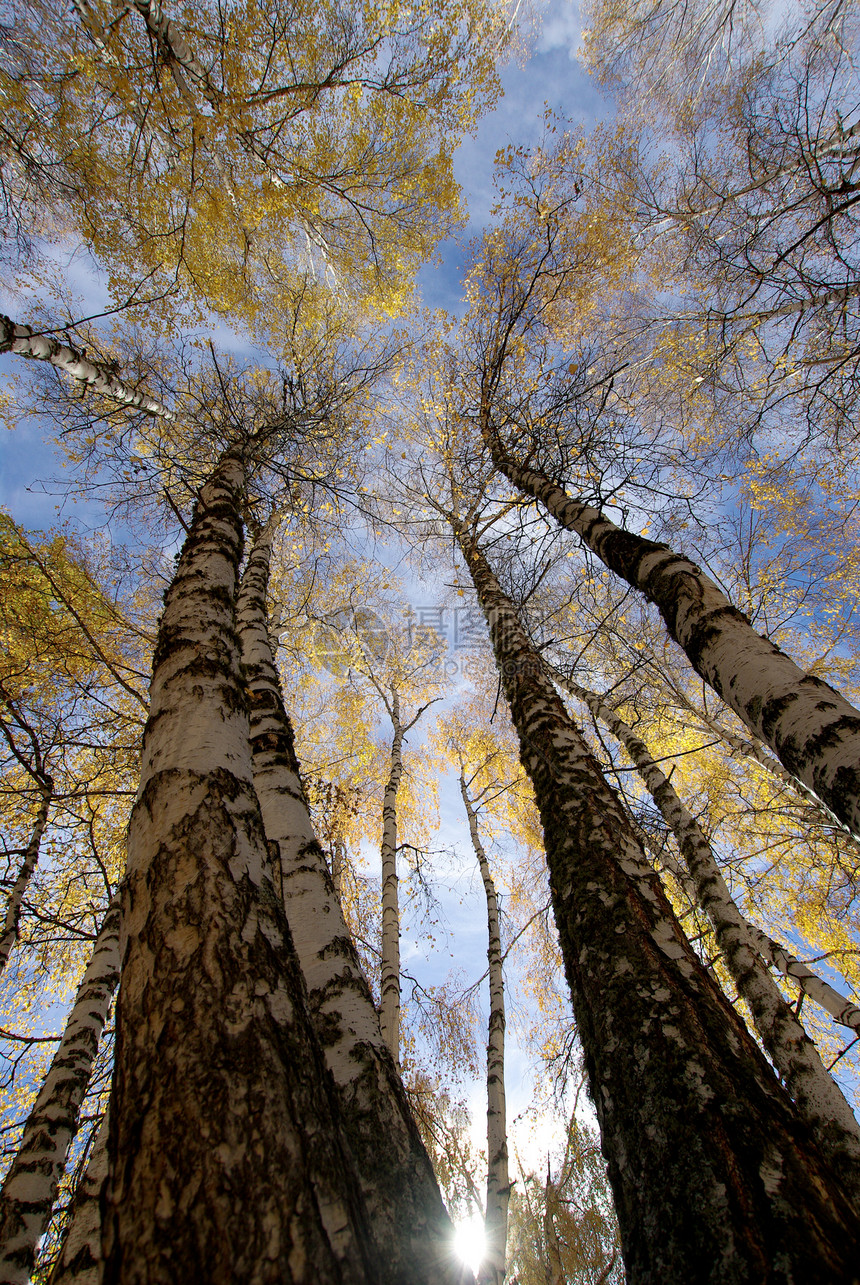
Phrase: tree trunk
(754, 750)
(492, 1270)
(389, 985)
(819, 1101)
(226, 1162)
(814, 732)
(80, 1258)
(554, 1274)
(85, 370)
(11, 921)
(714, 1177)
(410, 1225)
(30, 1188)
(337, 865)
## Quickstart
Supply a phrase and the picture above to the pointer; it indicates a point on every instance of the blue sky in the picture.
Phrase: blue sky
(552, 77)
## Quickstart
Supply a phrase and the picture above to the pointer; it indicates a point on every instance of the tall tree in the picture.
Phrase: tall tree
(518, 384)
(30, 1186)
(820, 1103)
(210, 977)
(409, 1226)
(713, 1144)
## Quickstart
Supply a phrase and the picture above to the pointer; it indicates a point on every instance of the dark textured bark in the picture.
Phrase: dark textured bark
(819, 1100)
(226, 1163)
(410, 1226)
(714, 1178)
(812, 729)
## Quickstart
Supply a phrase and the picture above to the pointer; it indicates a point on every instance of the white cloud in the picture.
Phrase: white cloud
(561, 28)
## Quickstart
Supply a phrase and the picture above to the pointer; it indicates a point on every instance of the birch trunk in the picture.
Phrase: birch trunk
(174, 48)
(12, 918)
(338, 862)
(30, 1188)
(80, 1259)
(410, 1226)
(492, 1271)
(554, 1274)
(753, 750)
(226, 1162)
(714, 1176)
(389, 1015)
(85, 370)
(814, 732)
(819, 1101)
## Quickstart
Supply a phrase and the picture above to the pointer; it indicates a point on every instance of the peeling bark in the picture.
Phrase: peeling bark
(492, 1271)
(812, 729)
(714, 1177)
(11, 920)
(85, 370)
(30, 1188)
(226, 1160)
(820, 1103)
(410, 1226)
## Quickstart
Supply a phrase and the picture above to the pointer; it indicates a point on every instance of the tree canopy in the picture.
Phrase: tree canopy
(545, 606)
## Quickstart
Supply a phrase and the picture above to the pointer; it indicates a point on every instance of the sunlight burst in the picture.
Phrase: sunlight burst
(469, 1243)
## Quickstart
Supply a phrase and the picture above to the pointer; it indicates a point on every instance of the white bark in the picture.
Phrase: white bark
(11, 920)
(83, 369)
(818, 1098)
(405, 1210)
(389, 1015)
(714, 1175)
(30, 1188)
(840, 1009)
(812, 729)
(492, 1270)
(174, 47)
(80, 1259)
(226, 1158)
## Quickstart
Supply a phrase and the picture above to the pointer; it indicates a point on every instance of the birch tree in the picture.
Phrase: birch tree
(498, 1180)
(398, 670)
(409, 1226)
(223, 980)
(30, 1186)
(809, 726)
(820, 1103)
(614, 921)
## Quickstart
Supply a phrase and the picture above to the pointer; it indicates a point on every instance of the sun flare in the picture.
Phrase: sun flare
(469, 1243)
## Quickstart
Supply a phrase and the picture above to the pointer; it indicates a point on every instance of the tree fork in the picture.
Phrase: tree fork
(714, 1177)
